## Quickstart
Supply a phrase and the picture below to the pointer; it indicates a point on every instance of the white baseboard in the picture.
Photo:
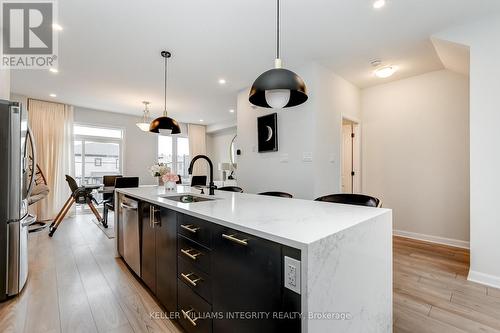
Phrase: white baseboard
(486, 279)
(432, 239)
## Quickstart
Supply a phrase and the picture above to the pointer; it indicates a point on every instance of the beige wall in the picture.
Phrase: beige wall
(415, 152)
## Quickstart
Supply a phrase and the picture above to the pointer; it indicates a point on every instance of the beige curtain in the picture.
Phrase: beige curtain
(52, 125)
(197, 146)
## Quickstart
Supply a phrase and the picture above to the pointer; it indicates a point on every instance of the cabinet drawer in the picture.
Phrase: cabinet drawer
(195, 279)
(195, 229)
(194, 253)
(193, 306)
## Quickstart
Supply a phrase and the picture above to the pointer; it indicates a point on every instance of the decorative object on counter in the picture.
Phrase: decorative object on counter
(144, 123)
(225, 168)
(351, 199)
(278, 88)
(267, 132)
(164, 124)
(158, 170)
(170, 180)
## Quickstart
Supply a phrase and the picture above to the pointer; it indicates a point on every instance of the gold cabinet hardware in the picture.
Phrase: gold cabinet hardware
(191, 281)
(235, 240)
(190, 228)
(191, 253)
(186, 315)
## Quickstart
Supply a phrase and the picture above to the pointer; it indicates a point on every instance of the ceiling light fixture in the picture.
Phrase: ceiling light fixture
(385, 72)
(56, 27)
(53, 95)
(377, 4)
(278, 87)
(165, 124)
(143, 124)
(231, 110)
(222, 81)
(201, 120)
(54, 70)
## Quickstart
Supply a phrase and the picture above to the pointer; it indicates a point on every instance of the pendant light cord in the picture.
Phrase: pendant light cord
(277, 29)
(165, 96)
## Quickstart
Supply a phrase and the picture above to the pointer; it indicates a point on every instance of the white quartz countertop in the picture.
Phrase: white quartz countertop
(292, 222)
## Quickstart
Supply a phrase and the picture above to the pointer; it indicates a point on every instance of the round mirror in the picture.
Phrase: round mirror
(232, 152)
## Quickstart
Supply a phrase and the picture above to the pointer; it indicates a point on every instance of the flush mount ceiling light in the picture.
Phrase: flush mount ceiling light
(385, 72)
(165, 124)
(231, 111)
(222, 81)
(54, 70)
(52, 95)
(278, 88)
(377, 4)
(143, 124)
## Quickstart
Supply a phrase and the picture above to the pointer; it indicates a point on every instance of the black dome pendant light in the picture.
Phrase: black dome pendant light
(165, 124)
(278, 88)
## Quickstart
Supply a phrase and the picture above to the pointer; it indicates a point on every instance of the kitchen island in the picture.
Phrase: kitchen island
(236, 262)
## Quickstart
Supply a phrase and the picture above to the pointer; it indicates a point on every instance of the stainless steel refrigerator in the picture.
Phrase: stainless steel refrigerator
(17, 176)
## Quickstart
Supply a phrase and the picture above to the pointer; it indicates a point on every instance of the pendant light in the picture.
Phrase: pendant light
(143, 124)
(164, 124)
(278, 88)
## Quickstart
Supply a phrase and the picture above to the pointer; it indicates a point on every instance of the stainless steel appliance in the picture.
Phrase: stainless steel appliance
(17, 177)
(129, 219)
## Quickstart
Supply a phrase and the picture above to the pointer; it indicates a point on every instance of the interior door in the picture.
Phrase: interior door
(347, 158)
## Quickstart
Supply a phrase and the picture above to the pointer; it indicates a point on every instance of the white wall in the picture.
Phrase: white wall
(218, 144)
(483, 37)
(4, 84)
(415, 153)
(140, 148)
(312, 128)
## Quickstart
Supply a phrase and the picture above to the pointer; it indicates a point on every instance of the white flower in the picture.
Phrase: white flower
(159, 169)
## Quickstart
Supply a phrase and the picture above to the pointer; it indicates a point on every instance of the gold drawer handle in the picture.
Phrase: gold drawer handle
(236, 240)
(190, 228)
(187, 277)
(190, 253)
(186, 315)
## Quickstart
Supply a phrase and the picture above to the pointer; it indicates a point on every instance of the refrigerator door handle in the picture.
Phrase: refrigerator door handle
(29, 135)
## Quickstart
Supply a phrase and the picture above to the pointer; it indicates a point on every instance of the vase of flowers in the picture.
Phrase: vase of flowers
(170, 180)
(159, 170)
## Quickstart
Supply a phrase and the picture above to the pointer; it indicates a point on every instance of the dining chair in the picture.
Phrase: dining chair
(231, 189)
(351, 199)
(198, 180)
(277, 194)
(109, 181)
(121, 182)
(179, 181)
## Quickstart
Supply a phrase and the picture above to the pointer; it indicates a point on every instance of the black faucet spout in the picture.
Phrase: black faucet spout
(211, 185)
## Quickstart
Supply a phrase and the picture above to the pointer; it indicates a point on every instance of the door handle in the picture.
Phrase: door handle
(186, 315)
(190, 254)
(235, 240)
(190, 228)
(29, 135)
(192, 282)
(125, 206)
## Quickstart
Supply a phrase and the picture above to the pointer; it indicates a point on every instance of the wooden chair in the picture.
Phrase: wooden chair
(351, 199)
(79, 195)
(231, 189)
(277, 194)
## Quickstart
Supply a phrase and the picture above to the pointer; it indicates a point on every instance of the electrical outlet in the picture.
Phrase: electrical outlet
(292, 274)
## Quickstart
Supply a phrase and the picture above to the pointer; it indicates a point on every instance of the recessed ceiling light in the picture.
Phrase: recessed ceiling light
(53, 95)
(232, 110)
(222, 81)
(377, 4)
(56, 27)
(385, 72)
(201, 120)
(54, 70)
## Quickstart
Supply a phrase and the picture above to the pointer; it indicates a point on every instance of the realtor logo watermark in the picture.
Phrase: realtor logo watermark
(29, 40)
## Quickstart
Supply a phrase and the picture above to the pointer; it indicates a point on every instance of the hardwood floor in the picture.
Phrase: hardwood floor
(77, 285)
(432, 294)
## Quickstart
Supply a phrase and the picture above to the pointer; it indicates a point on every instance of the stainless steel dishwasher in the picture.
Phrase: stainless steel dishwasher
(129, 219)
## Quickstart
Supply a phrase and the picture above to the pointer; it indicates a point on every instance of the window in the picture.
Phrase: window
(174, 152)
(98, 152)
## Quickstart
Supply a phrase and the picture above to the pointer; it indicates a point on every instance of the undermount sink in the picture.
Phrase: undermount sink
(186, 198)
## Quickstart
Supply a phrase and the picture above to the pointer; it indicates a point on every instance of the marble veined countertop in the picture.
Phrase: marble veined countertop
(292, 222)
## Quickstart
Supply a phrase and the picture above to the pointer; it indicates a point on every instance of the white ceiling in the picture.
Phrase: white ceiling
(109, 50)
